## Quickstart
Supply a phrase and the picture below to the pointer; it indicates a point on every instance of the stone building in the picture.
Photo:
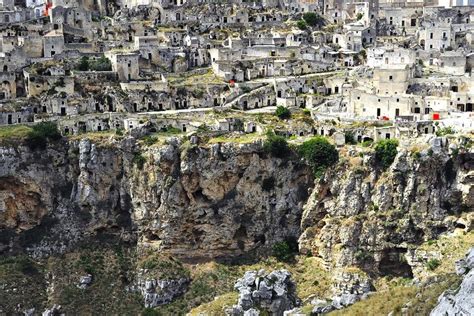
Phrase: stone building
(125, 64)
(53, 43)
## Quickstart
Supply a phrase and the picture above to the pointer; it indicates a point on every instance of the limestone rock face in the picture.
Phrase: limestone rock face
(459, 302)
(220, 201)
(194, 202)
(360, 215)
(273, 292)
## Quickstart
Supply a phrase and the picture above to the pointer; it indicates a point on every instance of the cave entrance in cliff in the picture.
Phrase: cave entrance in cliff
(393, 263)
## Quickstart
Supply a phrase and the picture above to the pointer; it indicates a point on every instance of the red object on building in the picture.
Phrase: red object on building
(385, 118)
(232, 82)
(435, 116)
(49, 5)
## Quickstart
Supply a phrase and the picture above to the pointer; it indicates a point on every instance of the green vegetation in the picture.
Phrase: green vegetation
(285, 251)
(385, 152)
(14, 133)
(42, 133)
(139, 160)
(432, 264)
(302, 25)
(313, 19)
(349, 138)
(163, 267)
(445, 131)
(385, 300)
(282, 113)
(319, 153)
(101, 64)
(276, 146)
(360, 15)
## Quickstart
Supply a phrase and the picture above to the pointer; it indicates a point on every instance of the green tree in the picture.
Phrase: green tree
(285, 250)
(41, 133)
(83, 64)
(282, 112)
(385, 152)
(313, 19)
(319, 153)
(276, 146)
(101, 64)
(302, 25)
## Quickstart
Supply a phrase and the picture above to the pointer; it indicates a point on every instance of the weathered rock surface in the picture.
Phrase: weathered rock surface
(460, 301)
(273, 292)
(157, 292)
(193, 202)
(359, 215)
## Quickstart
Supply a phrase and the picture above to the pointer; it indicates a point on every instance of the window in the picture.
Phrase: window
(390, 77)
(431, 35)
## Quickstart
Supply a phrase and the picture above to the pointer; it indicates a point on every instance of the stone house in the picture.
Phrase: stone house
(451, 63)
(379, 56)
(53, 43)
(391, 79)
(9, 117)
(435, 36)
(125, 64)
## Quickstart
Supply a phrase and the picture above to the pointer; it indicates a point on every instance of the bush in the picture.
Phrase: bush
(276, 146)
(285, 250)
(282, 113)
(432, 264)
(385, 152)
(139, 160)
(319, 154)
(445, 131)
(41, 133)
(301, 24)
(150, 312)
(349, 138)
(101, 64)
(313, 19)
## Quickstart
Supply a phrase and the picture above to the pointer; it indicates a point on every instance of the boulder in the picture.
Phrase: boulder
(273, 292)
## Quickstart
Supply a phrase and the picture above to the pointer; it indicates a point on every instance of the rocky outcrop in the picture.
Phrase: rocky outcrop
(273, 293)
(222, 201)
(361, 215)
(157, 292)
(459, 301)
(195, 202)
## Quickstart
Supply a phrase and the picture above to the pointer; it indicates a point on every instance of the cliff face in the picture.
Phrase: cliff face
(223, 201)
(359, 215)
(193, 202)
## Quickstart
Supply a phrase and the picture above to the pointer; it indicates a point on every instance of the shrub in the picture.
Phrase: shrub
(349, 138)
(149, 140)
(385, 152)
(139, 160)
(282, 113)
(301, 24)
(83, 64)
(445, 131)
(360, 15)
(319, 154)
(276, 146)
(285, 250)
(432, 264)
(101, 64)
(150, 312)
(41, 133)
(313, 19)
